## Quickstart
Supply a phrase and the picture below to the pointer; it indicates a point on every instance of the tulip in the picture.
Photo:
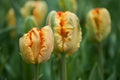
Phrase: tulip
(98, 24)
(98, 28)
(67, 35)
(26, 10)
(11, 19)
(11, 22)
(38, 9)
(67, 31)
(36, 46)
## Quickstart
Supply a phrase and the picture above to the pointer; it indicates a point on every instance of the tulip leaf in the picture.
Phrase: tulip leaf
(96, 73)
(112, 76)
(30, 22)
(10, 70)
(6, 30)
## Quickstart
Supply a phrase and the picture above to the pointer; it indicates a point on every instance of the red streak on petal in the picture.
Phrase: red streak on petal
(97, 18)
(41, 42)
(64, 33)
(41, 39)
(61, 22)
(30, 37)
(96, 11)
(60, 13)
(97, 22)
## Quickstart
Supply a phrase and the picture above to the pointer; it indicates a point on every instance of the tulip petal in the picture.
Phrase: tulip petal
(98, 24)
(36, 46)
(67, 32)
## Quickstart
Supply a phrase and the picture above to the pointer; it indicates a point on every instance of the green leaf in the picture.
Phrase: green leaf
(6, 30)
(96, 73)
(30, 22)
(112, 76)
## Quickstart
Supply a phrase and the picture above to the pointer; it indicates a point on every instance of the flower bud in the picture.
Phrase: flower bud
(36, 45)
(29, 23)
(11, 22)
(98, 24)
(11, 19)
(38, 9)
(70, 5)
(67, 31)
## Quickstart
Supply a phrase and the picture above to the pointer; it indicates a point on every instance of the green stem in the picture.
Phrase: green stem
(52, 70)
(63, 67)
(36, 71)
(101, 59)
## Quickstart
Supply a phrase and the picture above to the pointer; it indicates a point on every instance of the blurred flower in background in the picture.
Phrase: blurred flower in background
(98, 24)
(33, 14)
(38, 9)
(11, 19)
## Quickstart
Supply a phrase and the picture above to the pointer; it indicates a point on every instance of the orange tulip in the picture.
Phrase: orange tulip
(38, 9)
(98, 24)
(36, 46)
(67, 31)
(11, 19)
(11, 22)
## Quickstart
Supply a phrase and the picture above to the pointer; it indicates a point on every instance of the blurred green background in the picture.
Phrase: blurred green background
(82, 65)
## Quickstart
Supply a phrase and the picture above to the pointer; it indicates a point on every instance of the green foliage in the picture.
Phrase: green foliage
(96, 73)
(82, 65)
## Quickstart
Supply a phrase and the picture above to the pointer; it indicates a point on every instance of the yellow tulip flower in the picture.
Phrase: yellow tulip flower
(36, 46)
(98, 24)
(67, 31)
